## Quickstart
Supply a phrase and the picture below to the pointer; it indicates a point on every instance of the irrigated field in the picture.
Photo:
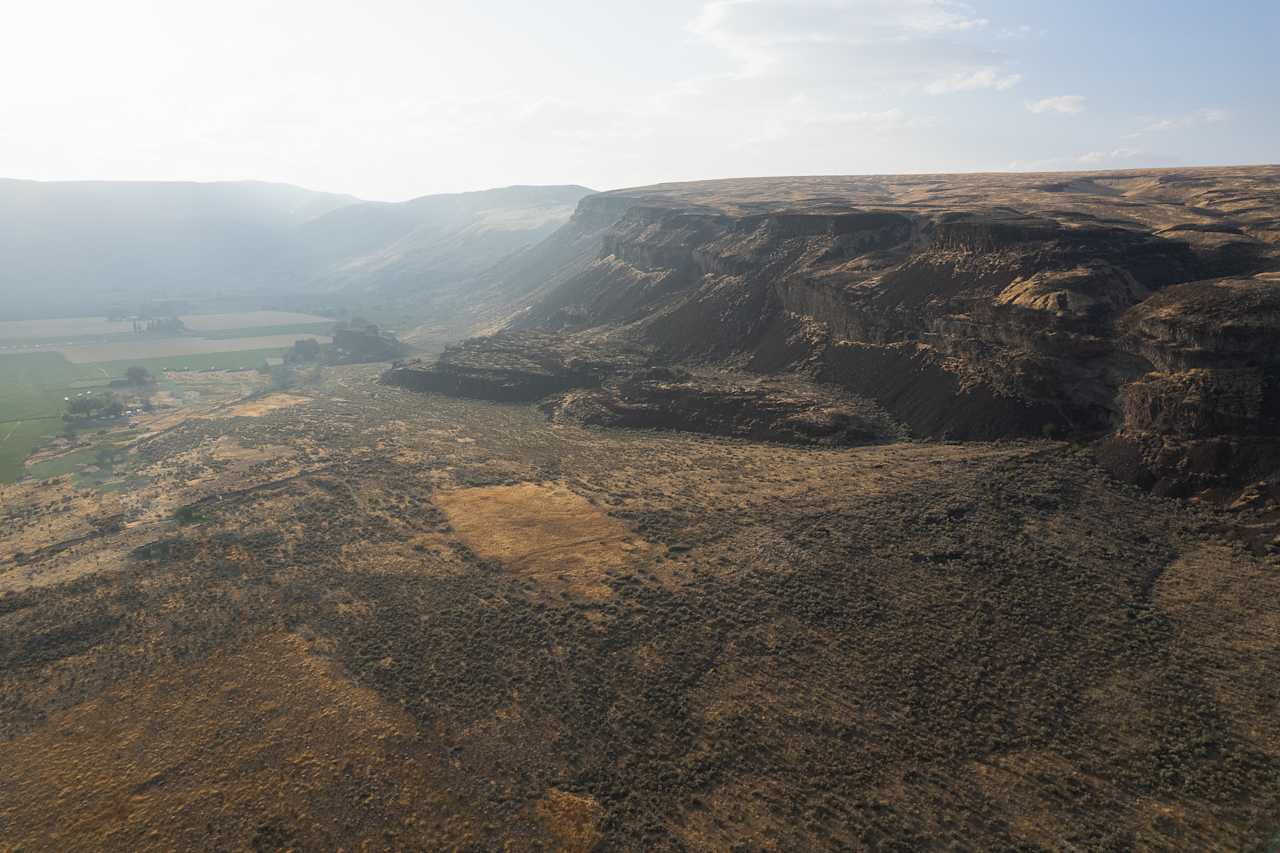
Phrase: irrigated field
(146, 348)
(34, 388)
(44, 361)
(70, 328)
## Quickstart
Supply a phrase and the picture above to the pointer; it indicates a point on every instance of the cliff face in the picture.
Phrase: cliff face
(781, 410)
(499, 296)
(978, 306)
(1209, 410)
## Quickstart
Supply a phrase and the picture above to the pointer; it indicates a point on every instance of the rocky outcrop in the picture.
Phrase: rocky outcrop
(784, 411)
(1209, 411)
(354, 343)
(968, 307)
(520, 367)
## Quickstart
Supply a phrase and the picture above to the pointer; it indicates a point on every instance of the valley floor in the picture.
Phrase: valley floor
(356, 616)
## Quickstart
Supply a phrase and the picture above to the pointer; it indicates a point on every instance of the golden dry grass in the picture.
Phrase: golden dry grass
(572, 820)
(261, 406)
(1211, 594)
(227, 449)
(266, 745)
(1024, 783)
(543, 531)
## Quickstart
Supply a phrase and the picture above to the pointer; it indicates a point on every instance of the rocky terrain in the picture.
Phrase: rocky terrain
(613, 384)
(744, 407)
(363, 617)
(1208, 412)
(921, 513)
(519, 367)
(1138, 305)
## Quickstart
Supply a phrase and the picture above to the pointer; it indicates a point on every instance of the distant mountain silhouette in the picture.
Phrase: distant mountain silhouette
(85, 247)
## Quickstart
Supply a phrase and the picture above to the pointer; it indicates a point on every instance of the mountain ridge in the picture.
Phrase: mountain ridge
(979, 306)
(72, 247)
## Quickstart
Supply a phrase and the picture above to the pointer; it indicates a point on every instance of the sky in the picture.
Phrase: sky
(393, 99)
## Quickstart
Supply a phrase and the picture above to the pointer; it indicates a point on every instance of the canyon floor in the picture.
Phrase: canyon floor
(354, 616)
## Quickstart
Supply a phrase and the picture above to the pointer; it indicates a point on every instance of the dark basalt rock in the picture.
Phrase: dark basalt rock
(967, 306)
(515, 367)
(790, 412)
(1209, 413)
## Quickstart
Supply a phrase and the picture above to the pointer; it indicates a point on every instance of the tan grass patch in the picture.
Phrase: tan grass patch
(424, 554)
(1029, 784)
(1222, 604)
(263, 405)
(543, 531)
(227, 449)
(572, 820)
(100, 555)
(264, 740)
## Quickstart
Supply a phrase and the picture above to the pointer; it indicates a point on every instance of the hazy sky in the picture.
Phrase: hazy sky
(390, 99)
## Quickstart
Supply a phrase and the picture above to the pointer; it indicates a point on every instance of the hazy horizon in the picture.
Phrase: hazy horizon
(396, 100)
(481, 189)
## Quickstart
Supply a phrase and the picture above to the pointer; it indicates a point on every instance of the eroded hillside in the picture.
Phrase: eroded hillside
(1141, 305)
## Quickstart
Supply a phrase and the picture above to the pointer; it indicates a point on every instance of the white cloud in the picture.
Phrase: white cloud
(1069, 104)
(878, 120)
(855, 47)
(1114, 157)
(840, 68)
(965, 81)
(1196, 118)
(1021, 31)
(738, 24)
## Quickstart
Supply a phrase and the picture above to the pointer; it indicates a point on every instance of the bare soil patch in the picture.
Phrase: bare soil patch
(227, 449)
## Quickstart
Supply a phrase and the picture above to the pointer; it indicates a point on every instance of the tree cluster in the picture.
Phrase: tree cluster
(93, 406)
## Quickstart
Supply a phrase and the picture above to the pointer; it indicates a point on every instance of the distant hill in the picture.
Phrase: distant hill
(77, 246)
(507, 290)
(435, 238)
(84, 247)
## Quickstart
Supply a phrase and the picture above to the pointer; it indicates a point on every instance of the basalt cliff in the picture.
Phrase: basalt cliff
(1139, 311)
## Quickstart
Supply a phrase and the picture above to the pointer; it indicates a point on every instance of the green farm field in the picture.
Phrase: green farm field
(233, 360)
(300, 329)
(33, 387)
